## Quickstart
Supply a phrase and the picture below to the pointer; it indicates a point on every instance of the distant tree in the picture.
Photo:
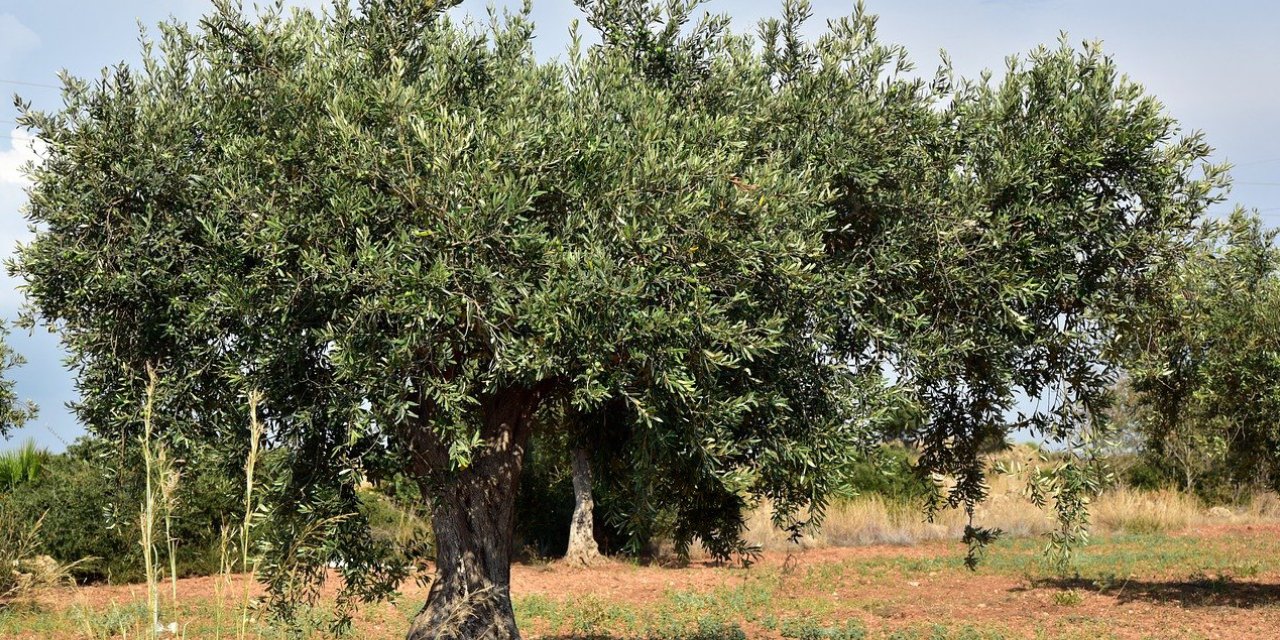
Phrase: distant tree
(563, 457)
(1007, 271)
(412, 239)
(583, 548)
(1206, 359)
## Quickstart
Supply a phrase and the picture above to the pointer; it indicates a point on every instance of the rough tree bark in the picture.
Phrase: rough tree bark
(473, 515)
(583, 549)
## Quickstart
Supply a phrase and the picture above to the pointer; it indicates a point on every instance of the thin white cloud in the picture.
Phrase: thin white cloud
(24, 149)
(13, 224)
(15, 39)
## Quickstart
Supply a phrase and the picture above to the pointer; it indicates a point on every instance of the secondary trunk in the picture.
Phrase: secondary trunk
(473, 515)
(583, 549)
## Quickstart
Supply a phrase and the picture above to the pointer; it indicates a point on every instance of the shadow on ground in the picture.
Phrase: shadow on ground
(1195, 592)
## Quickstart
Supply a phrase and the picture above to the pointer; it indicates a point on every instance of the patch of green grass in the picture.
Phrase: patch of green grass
(1067, 598)
(945, 632)
(31, 619)
(1153, 555)
(810, 629)
(705, 629)
(116, 620)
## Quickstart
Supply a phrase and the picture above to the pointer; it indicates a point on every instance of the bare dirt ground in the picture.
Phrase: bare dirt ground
(1166, 604)
(1210, 582)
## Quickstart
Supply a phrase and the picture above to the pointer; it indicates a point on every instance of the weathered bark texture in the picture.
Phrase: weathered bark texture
(583, 549)
(473, 515)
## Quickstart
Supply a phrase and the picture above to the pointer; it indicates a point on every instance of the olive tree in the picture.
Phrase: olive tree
(1012, 267)
(1205, 362)
(990, 240)
(409, 239)
(414, 241)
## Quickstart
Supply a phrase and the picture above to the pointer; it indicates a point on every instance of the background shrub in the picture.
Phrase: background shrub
(889, 473)
(90, 510)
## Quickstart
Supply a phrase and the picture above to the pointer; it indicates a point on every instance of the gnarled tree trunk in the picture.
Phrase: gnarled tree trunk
(473, 515)
(583, 549)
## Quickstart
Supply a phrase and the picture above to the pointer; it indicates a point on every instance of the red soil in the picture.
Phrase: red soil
(883, 599)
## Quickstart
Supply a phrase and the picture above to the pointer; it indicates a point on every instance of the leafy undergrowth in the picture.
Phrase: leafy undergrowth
(1221, 582)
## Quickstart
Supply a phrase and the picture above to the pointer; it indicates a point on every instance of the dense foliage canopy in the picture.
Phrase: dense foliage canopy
(417, 241)
(14, 412)
(1206, 363)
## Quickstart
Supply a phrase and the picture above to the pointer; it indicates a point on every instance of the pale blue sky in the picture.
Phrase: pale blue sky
(1215, 65)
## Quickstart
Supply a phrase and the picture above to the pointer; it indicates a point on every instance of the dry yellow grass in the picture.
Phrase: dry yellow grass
(1126, 510)
(870, 519)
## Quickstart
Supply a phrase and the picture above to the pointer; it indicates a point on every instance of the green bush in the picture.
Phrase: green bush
(887, 471)
(73, 497)
(90, 511)
(19, 541)
(1142, 474)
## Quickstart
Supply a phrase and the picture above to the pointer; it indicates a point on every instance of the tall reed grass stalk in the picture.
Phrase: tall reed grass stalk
(225, 568)
(255, 440)
(148, 511)
(170, 476)
(161, 481)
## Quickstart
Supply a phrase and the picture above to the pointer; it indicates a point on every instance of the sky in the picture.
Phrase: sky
(1214, 65)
